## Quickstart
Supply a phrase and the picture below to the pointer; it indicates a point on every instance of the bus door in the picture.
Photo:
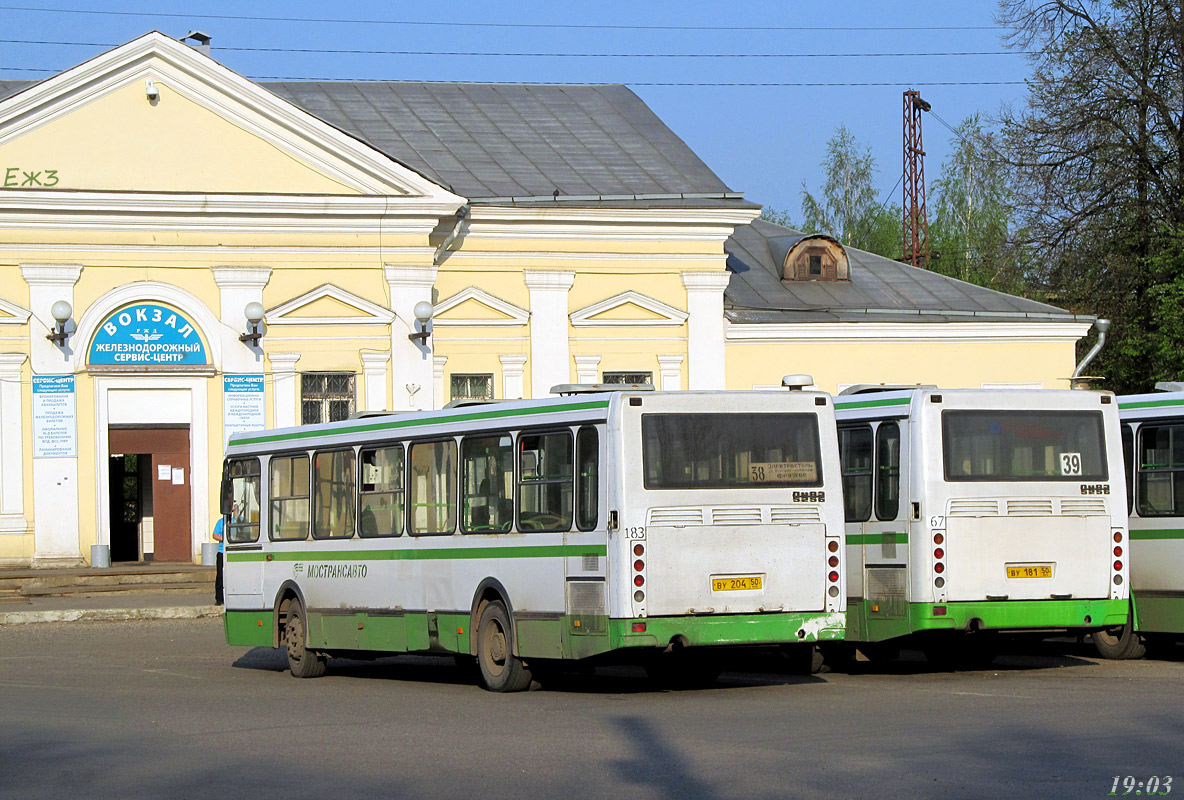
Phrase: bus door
(1028, 517)
(886, 543)
(243, 565)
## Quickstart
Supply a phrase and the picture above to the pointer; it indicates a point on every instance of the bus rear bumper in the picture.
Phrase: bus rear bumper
(727, 630)
(1018, 615)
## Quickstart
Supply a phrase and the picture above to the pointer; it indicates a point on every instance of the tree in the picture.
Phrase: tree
(849, 210)
(970, 236)
(777, 216)
(1099, 171)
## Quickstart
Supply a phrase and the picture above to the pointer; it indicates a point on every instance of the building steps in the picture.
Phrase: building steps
(120, 579)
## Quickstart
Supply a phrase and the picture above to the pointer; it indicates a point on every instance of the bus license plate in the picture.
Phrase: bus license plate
(1029, 570)
(736, 583)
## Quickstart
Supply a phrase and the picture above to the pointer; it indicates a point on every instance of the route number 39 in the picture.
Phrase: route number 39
(1070, 463)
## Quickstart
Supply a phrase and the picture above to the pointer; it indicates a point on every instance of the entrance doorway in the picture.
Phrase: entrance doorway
(149, 479)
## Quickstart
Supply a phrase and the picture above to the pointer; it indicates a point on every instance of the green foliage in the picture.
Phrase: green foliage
(849, 209)
(777, 216)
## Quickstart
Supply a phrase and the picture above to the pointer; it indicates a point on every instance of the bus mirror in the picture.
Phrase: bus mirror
(227, 497)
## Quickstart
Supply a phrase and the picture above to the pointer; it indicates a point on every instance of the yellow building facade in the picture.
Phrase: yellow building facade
(151, 198)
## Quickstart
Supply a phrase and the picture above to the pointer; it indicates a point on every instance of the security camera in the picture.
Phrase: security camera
(150, 91)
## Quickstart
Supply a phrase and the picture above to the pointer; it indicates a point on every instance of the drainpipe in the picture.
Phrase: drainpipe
(1079, 381)
(461, 215)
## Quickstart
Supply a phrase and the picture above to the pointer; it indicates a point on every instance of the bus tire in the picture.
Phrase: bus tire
(302, 662)
(501, 670)
(1119, 643)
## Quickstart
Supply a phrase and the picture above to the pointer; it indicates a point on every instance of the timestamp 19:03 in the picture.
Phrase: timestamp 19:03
(1129, 784)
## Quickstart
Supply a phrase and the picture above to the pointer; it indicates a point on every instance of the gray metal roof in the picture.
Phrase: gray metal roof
(879, 289)
(485, 140)
(492, 142)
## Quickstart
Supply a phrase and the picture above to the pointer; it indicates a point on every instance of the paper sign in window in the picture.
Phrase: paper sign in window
(782, 472)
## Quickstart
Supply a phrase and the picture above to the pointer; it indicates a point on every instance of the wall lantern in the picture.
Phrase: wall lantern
(423, 315)
(254, 314)
(61, 312)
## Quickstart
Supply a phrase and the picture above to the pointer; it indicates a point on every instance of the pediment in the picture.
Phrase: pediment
(12, 314)
(329, 305)
(475, 306)
(628, 309)
(209, 130)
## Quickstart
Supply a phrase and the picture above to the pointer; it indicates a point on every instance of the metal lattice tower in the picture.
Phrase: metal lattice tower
(916, 218)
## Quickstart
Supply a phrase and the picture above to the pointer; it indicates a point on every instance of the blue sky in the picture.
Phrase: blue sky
(762, 140)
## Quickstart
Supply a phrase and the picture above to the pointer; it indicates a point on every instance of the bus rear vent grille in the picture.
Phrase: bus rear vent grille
(1030, 508)
(794, 515)
(585, 598)
(1085, 507)
(735, 516)
(885, 583)
(590, 562)
(967, 507)
(676, 516)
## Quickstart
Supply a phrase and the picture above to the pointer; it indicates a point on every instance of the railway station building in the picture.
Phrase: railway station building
(186, 253)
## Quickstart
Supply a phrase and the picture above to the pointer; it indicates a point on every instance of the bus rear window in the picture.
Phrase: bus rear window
(1023, 446)
(724, 451)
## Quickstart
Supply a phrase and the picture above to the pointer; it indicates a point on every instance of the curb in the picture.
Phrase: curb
(109, 614)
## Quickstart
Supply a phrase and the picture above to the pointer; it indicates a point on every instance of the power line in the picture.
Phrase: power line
(768, 84)
(535, 25)
(546, 55)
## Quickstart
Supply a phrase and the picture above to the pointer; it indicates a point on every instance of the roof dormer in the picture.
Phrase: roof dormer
(816, 257)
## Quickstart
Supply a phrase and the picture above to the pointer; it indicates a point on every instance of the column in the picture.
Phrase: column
(670, 368)
(283, 389)
(238, 286)
(549, 346)
(513, 368)
(587, 369)
(55, 480)
(374, 374)
(413, 370)
(705, 328)
(12, 457)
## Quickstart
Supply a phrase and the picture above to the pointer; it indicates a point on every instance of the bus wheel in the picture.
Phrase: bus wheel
(1119, 643)
(302, 662)
(501, 670)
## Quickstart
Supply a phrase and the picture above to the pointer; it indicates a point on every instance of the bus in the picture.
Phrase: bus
(655, 525)
(972, 512)
(1153, 445)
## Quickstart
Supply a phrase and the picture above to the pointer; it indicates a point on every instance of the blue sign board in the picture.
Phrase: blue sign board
(147, 334)
(242, 404)
(55, 427)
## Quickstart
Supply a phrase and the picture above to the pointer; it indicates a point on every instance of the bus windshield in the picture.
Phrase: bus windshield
(721, 451)
(1023, 446)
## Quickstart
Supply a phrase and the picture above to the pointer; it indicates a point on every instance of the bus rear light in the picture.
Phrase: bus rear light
(638, 580)
(939, 611)
(833, 576)
(1117, 551)
(639, 565)
(939, 568)
(1117, 536)
(939, 582)
(1118, 566)
(939, 553)
(832, 546)
(833, 561)
(833, 591)
(938, 538)
(639, 627)
(1117, 580)
(638, 596)
(638, 549)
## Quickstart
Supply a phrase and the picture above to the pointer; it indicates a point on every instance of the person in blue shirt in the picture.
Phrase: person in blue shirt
(219, 537)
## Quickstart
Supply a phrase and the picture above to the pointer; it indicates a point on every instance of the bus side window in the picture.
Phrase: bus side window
(433, 487)
(887, 470)
(243, 480)
(1128, 465)
(487, 484)
(587, 478)
(287, 488)
(545, 467)
(333, 498)
(855, 458)
(381, 492)
(1160, 475)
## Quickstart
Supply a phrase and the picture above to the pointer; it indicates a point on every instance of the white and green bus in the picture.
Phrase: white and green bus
(976, 511)
(1153, 443)
(625, 522)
